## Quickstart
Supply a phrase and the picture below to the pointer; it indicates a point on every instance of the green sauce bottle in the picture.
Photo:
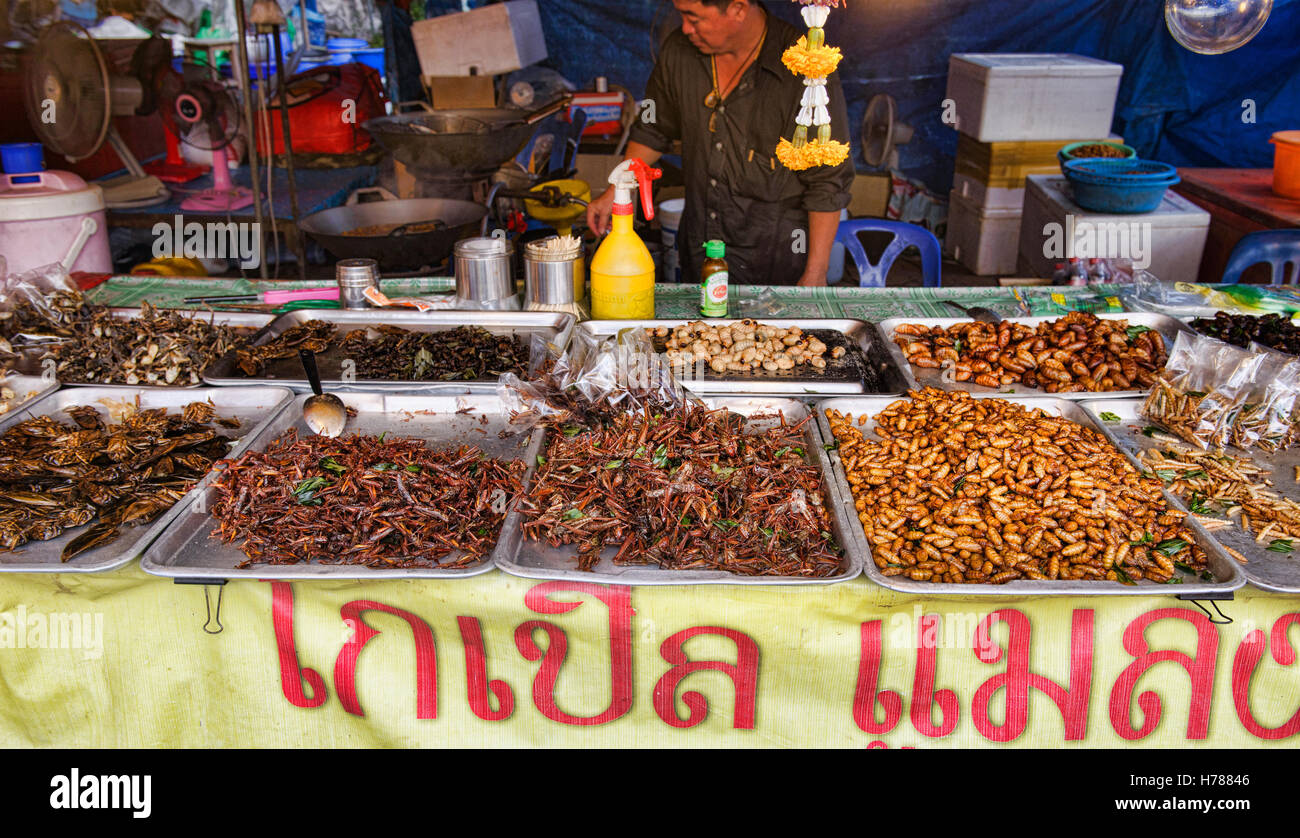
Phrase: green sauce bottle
(713, 285)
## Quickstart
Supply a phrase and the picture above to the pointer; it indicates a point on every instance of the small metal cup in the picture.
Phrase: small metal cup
(354, 276)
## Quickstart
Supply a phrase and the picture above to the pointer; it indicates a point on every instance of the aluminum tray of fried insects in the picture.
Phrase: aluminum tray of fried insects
(142, 347)
(100, 483)
(807, 357)
(656, 507)
(417, 487)
(1075, 375)
(393, 351)
(18, 390)
(1084, 499)
(1229, 490)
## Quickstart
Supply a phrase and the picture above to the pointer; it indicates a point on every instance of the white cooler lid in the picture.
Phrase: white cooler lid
(55, 195)
(984, 65)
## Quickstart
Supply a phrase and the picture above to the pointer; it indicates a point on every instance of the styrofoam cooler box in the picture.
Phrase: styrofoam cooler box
(982, 240)
(1168, 242)
(988, 197)
(1031, 96)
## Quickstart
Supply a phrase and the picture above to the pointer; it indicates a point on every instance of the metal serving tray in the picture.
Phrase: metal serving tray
(190, 551)
(1265, 569)
(27, 389)
(250, 321)
(800, 382)
(1226, 572)
(916, 377)
(538, 560)
(287, 372)
(252, 406)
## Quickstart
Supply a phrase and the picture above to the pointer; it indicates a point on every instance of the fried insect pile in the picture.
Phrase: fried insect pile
(466, 353)
(363, 500)
(967, 490)
(157, 348)
(1076, 353)
(55, 475)
(684, 489)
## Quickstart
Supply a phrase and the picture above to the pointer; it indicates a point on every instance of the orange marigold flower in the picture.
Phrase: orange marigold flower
(813, 63)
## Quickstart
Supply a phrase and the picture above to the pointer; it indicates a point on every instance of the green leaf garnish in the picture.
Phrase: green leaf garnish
(1197, 504)
(541, 461)
(1171, 547)
(726, 524)
(414, 469)
(614, 464)
(956, 487)
(305, 493)
(331, 464)
(1167, 475)
(1150, 430)
(572, 430)
(832, 446)
(573, 515)
(720, 471)
(661, 457)
(1123, 577)
(1106, 416)
(1134, 331)
(1280, 545)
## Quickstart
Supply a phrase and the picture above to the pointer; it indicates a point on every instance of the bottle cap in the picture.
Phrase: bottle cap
(715, 249)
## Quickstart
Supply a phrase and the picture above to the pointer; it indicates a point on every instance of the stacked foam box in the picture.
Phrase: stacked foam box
(1014, 112)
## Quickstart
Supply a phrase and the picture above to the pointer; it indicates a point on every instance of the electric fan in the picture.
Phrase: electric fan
(71, 99)
(882, 133)
(202, 114)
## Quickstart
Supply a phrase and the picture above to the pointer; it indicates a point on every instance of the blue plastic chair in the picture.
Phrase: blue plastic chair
(565, 137)
(1278, 248)
(905, 236)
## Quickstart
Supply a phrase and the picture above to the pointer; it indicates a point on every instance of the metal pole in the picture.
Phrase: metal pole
(241, 24)
(299, 249)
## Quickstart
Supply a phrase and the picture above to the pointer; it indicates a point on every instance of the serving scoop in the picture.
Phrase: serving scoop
(981, 314)
(324, 412)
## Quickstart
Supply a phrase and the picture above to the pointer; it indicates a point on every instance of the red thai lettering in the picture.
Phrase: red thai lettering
(426, 658)
(743, 674)
(477, 683)
(924, 695)
(618, 599)
(292, 674)
(868, 693)
(1017, 680)
(1249, 654)
(1200, 669)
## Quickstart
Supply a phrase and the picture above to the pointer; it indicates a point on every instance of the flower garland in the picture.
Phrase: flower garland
(813, 60)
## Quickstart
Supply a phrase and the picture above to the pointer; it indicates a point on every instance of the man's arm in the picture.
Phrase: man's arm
(821, 236)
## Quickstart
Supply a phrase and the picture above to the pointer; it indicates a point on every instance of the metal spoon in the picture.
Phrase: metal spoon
(324, 412)
(983, 315)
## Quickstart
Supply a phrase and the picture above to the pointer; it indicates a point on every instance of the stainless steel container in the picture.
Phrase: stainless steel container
(550, 264)
(485, 278)
(354, 276)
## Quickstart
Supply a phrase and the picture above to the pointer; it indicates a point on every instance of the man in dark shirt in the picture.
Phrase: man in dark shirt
(720, 87)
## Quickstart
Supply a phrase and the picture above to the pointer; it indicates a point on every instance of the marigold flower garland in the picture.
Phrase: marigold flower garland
(813, 60)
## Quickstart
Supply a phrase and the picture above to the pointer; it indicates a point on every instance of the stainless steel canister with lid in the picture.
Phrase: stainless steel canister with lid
(354, 276)
(485, 277)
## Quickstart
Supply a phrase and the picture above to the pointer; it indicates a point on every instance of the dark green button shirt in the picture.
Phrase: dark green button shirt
(736, 189)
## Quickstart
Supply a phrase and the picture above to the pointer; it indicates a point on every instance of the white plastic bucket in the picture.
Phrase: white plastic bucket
(670, 221)
(47, 216)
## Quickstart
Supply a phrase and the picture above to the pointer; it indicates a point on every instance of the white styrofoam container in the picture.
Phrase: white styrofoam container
(982, 240)
(988, 197)
(1169, 240)
(487, 41)
(1002, 97)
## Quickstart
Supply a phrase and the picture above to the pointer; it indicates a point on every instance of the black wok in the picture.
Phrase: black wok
(399, 250)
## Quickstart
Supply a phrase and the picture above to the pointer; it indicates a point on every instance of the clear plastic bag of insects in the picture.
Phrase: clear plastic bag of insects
(1183, 400)
(592, 380)
(39, 306)
(1268, 420)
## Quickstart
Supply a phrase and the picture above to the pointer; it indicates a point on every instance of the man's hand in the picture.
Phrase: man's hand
(599, 212)
(812, 280)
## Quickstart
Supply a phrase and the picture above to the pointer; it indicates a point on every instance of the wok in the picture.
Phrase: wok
(400, 250)
(465, 142)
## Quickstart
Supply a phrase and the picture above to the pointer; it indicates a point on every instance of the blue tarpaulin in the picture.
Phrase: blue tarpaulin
(1174, 105)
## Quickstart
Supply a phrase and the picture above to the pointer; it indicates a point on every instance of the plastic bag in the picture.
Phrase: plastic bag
(1268, 421)
(39, 304)
(1197, 392)
(590, 380)
(1185, 298)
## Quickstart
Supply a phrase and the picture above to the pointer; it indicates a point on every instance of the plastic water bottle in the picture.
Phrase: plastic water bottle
(1060, 276)
(1098, 273)
(1078, 272)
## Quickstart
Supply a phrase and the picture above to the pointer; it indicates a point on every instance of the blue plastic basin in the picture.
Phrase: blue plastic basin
(1119, 186)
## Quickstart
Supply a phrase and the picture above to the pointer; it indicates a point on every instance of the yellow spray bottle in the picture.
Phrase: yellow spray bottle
(622, 272)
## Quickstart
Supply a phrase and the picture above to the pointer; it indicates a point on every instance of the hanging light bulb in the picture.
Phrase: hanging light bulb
(1212, 27)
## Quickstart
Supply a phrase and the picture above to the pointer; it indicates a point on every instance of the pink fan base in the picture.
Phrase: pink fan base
(223, 196)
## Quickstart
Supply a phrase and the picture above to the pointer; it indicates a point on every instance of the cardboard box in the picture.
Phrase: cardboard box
(869, 195)
(447, 92)
(495, 39)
